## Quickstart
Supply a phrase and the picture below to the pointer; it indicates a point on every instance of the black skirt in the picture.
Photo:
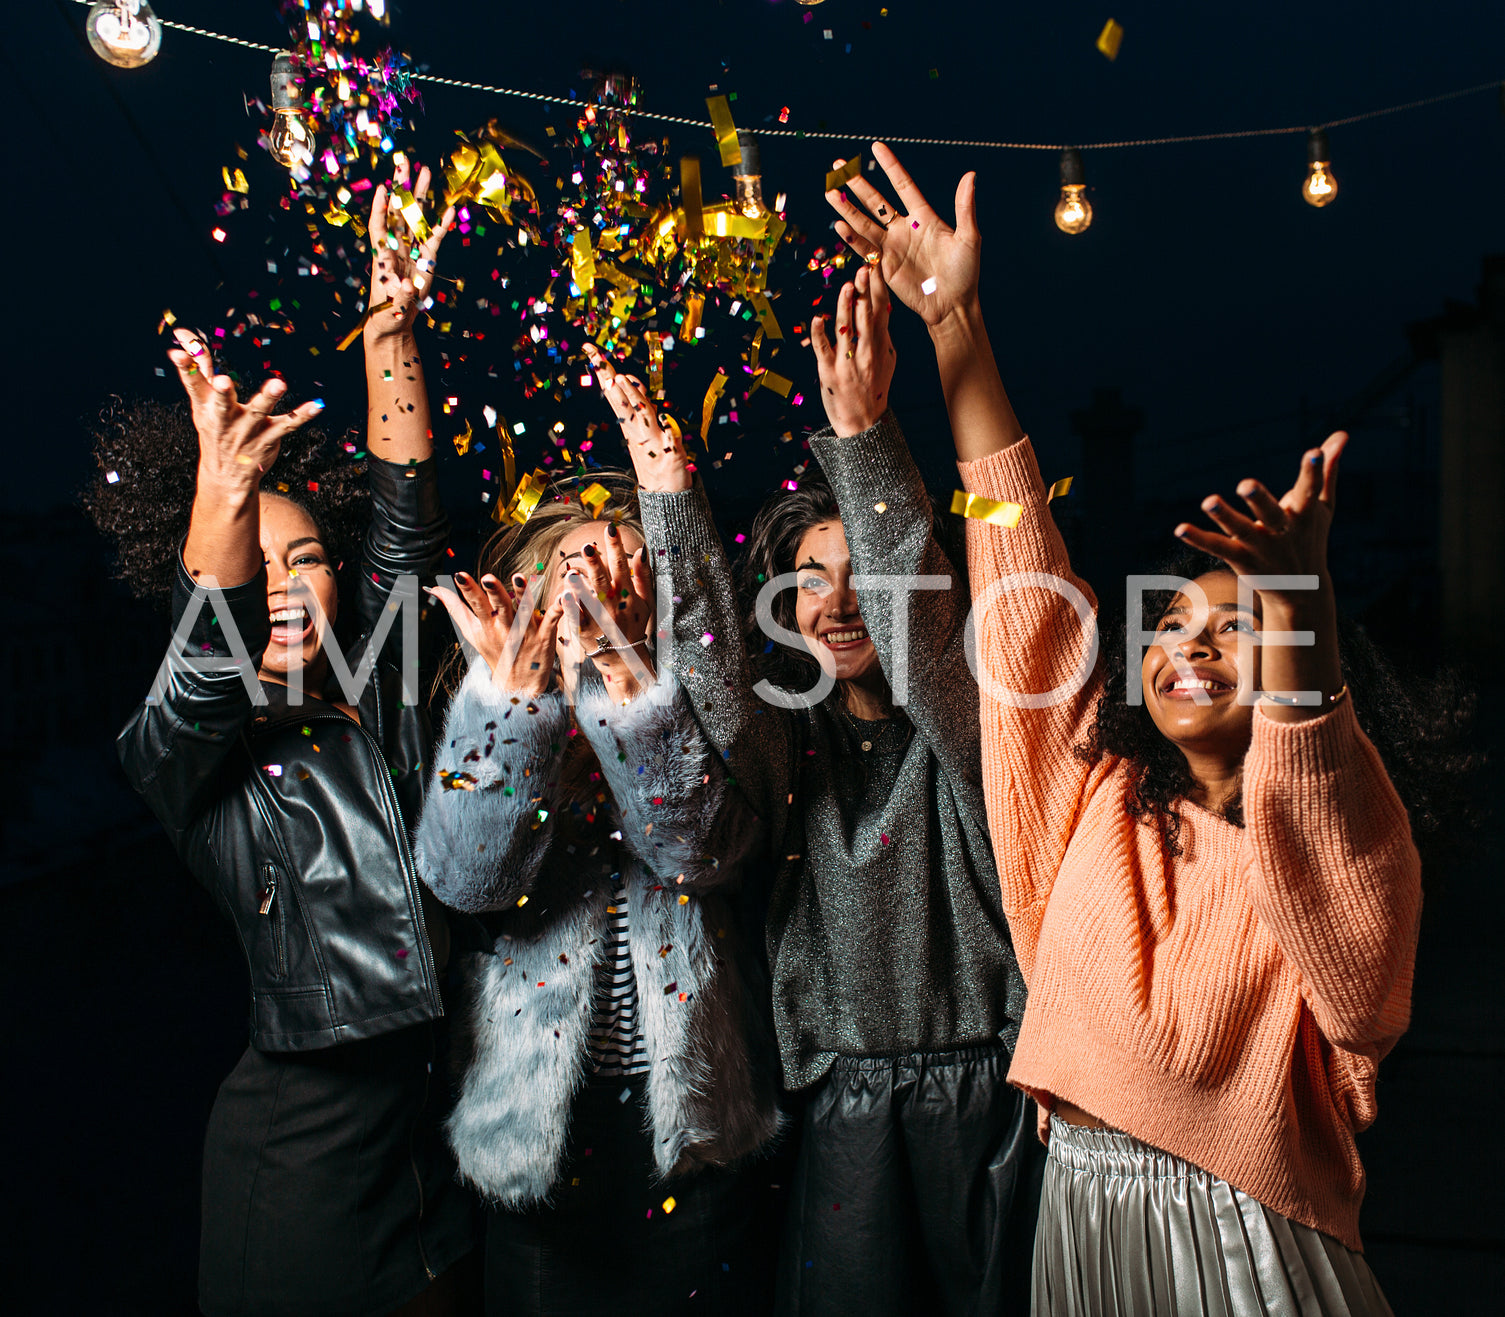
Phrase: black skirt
(619, 1240)
(327, 1186)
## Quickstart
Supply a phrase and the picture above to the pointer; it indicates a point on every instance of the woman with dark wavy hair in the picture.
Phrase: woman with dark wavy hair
(1209, 874)
(895, 991)
(326, 1185)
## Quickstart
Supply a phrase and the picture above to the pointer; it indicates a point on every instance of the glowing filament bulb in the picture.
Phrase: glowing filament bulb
(1073, 210)
(289, 141)
(1319, 188)
(124, 33)
(748, 177)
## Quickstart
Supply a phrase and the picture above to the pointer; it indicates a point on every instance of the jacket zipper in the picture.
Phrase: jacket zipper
(409, 872)
(273, 913)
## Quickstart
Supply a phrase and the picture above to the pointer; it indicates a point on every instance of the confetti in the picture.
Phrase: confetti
(669, 1205)
(1111, 38)
(1060, 489)
(844, 173)
(986, 509)
(928, 287)
(595, 497)
(725, 129)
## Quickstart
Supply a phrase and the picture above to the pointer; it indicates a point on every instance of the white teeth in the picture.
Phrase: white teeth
(289, 615)
(1182, 684)
(844, 637)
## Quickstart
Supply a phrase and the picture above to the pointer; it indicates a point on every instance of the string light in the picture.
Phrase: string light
(748, 176)
(124, 33)
(289, 141)
(1073, 210)
(1319, 188)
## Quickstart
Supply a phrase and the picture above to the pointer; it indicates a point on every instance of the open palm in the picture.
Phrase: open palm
(916, 247)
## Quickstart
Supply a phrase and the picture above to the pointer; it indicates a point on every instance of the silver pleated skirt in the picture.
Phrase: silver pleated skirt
(1126, 1230)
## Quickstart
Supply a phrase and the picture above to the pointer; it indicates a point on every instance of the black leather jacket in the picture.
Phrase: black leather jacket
(297, 819)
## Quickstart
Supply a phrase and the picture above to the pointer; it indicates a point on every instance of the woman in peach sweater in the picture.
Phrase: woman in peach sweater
(1216, 919)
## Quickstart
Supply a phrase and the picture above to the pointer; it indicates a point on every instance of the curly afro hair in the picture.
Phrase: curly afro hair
(1421, 729)
(141, 495)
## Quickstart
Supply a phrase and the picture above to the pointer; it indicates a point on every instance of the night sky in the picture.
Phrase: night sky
(1205, 288)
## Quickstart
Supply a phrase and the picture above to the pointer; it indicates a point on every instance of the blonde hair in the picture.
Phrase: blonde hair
(527, 550)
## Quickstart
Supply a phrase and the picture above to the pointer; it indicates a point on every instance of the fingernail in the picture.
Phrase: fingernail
(611, 530)
(590, 550)
(317, 402)
(1210, 503)
(1180, 532)
(520, 582)
(1316, 458)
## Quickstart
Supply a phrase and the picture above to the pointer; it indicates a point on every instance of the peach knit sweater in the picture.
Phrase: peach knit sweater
(1231, 1004)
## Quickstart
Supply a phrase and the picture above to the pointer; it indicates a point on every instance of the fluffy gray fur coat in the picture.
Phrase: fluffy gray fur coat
(495, 837)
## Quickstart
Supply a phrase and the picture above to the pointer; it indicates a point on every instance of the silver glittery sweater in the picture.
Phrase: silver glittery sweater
(886, 932)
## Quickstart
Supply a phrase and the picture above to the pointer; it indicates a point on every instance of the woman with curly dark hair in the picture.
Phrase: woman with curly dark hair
(1215, 895)
(290, 795)
(896, 994)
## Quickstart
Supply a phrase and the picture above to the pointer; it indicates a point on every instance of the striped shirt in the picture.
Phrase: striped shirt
(616, 1036)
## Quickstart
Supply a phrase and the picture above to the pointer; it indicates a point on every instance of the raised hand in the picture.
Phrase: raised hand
(658, 454)
(402, 266)
(620, 585)
(1286, 536)
(514, 637)
(856, 357)
(238, 441)
(914, 247)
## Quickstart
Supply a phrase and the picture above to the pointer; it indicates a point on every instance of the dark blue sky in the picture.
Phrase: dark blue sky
(1205, 288)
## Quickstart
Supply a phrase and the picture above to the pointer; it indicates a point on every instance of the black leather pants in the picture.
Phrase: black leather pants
(916, 1190)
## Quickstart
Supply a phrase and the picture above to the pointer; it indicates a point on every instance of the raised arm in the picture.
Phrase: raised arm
(489, 816)
(175, 745)
(1333, 873)
(934, 270)
(913, 606)
(699, 621)
(409, 531)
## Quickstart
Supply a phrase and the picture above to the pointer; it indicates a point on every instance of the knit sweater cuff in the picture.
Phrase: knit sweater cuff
(875, 464)
(678, 522)
(1302, 751)
(1011, 475)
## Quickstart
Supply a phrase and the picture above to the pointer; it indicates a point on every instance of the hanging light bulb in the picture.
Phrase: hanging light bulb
(748, 176)
(1073, 210)
(290, 142)
(1319, 187)
(124, 33)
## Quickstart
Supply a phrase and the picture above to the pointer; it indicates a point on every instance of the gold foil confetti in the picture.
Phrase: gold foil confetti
(525, 497)
(690, 196)
(462, 440)
(1111, 38)
(766, 317)
(411, 210)
(361, 325)
(694, 306)
(656, 365)
(986, 509)
(509, 458)
(235, 182)
(582, 262)
(708, 407)
(1060, 489)
(836, 177)
(726, 130)
(595, 497)
(778, 383)
(670, 1204)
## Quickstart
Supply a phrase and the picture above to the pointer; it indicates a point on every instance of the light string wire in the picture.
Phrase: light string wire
(491, 90)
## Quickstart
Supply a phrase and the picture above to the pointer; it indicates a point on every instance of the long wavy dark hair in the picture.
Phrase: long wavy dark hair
(1421, 729)
(140, 496)
(773, 544)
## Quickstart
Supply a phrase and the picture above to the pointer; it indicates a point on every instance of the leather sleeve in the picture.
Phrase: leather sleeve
(174, 748)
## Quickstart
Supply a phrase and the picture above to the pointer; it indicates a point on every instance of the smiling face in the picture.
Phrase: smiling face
(1209, 665)
(570, 555)
(300, 576)
(825, 606)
